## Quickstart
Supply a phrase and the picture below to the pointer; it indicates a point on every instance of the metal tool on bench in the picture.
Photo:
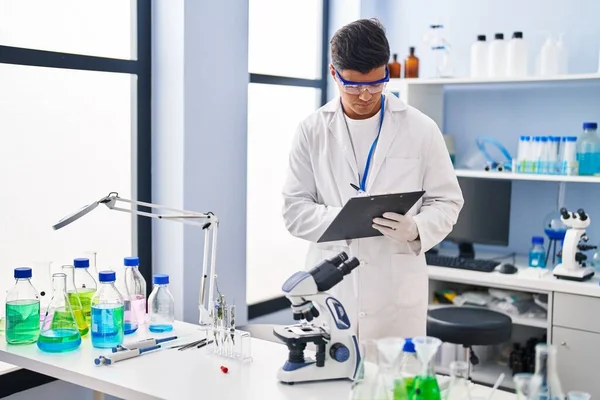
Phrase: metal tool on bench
(326, 324)
(142, 344)
(573, 265)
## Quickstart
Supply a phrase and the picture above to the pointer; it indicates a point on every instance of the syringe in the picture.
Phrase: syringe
(123, 355)
(142, 344)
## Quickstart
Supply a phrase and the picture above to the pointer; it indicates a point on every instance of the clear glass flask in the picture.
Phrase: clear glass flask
(544, 382)
(368, 383)
(60, 331)
(522, 385)
(107, 313)
(426, 386)
(85, 286)
(459, 381)
(74, 301)
(134, 295)
(161, 305)
(22, 310)
(390, 356)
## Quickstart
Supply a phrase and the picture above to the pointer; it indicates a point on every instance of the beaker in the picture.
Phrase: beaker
(74, 300)
(522, 385)
(576, 395)
(390, 352)
(459, 381)
(544, 382)
(368, 383)
(426, 386)
(59, 332)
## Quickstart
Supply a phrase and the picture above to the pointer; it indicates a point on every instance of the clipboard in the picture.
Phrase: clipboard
(355, 220)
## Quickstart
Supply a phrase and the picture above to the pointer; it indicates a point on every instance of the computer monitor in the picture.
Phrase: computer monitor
(485, 216)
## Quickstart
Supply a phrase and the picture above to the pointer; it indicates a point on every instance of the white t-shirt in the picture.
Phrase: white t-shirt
(362, 134)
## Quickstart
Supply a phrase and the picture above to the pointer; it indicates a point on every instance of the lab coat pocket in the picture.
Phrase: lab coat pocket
(403, 174)
(409, 275)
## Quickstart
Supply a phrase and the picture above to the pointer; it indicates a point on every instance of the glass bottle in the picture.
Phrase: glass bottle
(74, 301)
(459, 381)
(161, 305)
(60, 331)
(107, 313)
(395, 67)
(426, 386)
(134, 295)
(390, 356)
(22, 310)
(588, 150)
(368, 384)
(411, 65)
(544, 382)
(537, 252)
(85, 286)
(410, 365)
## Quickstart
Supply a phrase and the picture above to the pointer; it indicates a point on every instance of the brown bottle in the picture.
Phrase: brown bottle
(411, 65)
(395, 67)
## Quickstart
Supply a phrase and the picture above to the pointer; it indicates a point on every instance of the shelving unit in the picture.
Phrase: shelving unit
(487, 373)
(398, 83)
(468, 173)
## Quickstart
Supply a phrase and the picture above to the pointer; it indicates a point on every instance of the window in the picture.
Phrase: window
(74, 126)
(288, 43)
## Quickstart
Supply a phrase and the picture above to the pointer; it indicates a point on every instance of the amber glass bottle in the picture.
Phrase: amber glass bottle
(395, 67)
(411, 65)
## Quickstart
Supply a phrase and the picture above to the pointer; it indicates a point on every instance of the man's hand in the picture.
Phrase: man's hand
(400, 228)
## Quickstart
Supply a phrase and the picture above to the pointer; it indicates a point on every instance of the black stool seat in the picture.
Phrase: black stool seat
(469, 326)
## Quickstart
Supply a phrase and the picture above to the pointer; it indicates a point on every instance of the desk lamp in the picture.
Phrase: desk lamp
(208, 222)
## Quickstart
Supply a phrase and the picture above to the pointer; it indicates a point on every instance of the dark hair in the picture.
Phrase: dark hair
(360, 46)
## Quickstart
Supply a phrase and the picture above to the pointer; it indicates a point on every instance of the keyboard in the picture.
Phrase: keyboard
(461, 263)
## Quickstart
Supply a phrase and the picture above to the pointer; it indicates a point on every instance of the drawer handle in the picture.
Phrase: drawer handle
(563, 344)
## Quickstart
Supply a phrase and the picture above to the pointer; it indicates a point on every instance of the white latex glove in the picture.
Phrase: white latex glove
(400, 228)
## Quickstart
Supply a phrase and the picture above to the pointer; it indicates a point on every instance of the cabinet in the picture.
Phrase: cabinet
(578, 359)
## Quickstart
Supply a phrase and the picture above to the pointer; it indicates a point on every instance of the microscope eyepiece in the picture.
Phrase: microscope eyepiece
(582, 215)
(564, 213)
(348, 266)
(339, 259)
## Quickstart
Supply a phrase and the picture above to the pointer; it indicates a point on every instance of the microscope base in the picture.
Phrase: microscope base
(311, 373)
(580, 274)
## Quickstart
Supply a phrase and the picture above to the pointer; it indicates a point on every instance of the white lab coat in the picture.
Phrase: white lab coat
(387, 295)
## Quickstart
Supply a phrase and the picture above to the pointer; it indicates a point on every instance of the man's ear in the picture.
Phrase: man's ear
(332, 71)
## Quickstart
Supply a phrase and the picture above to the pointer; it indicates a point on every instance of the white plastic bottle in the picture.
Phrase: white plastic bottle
(517, 56)
(497, 57)
(479, 58)
(549, 58)
(563, 55)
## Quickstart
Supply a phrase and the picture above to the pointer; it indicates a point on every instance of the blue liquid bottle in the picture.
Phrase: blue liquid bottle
(161, 306)
(107, 313)
(588, 150)
(537, 253)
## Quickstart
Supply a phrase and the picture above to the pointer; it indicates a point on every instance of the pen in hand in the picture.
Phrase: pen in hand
(355, 187)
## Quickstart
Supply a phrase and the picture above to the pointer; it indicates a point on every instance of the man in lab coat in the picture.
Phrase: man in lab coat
(387, 295)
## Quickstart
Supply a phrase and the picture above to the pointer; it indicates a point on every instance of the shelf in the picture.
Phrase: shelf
(398, 83)
(486, 373)
(467, 173)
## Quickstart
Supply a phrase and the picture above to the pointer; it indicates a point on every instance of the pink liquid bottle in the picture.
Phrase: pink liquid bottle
(134, 296)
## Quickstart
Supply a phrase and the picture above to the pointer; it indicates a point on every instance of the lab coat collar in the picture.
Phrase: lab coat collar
(337, 126)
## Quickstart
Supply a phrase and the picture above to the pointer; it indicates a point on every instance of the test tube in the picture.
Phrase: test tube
(545, 155)
(556, 153)
(524, 163)
(535, 154)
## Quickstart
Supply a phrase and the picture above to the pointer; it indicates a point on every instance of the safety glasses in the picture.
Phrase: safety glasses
(374, 87)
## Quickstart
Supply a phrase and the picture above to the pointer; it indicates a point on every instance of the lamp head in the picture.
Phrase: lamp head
(108, 200)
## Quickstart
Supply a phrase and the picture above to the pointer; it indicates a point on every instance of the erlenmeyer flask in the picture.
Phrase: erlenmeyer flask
(59, 332)
(368, 383)
(426, 386)
(522, 385)
(74, 300)
(545, 383)
(459, 381)
(390, 352)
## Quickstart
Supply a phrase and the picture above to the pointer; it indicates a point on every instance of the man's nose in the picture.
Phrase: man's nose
(365, 95)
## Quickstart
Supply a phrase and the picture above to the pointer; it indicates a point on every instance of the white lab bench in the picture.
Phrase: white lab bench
(182, 375)
(572, 323)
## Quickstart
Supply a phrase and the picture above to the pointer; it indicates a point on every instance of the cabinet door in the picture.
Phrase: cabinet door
(578, 360)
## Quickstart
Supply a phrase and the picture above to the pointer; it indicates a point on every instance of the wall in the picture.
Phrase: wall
(199, 141)
(507, 112)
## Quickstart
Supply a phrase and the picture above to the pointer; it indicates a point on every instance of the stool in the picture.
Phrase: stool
(469, 326)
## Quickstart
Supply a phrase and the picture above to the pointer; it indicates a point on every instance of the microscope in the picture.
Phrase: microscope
(573, 266)
(324, 323)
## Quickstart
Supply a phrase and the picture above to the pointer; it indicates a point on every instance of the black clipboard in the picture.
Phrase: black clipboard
(355, 220)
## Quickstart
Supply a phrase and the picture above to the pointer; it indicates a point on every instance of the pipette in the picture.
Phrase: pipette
(123, 355)
(142, 344)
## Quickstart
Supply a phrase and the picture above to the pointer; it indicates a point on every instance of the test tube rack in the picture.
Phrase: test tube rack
(230, 343)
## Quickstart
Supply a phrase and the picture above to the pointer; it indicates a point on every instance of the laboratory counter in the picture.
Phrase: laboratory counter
(182, 375)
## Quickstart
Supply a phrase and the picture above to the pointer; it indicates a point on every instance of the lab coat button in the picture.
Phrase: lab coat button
(362, 314)
(363, 262)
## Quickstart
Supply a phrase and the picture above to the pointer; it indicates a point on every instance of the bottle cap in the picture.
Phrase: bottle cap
(564, 139)
(411, 49)
(537, 240)
(544, 138)
(572, 138)
(81, 263)
(22, 272)
(556, 138)
(499, 36)
(537, 139)
(481, 38)
(590, 125)
(161, 279)
(132, 261)
(107, 276)
(518, 35)
(409, 346)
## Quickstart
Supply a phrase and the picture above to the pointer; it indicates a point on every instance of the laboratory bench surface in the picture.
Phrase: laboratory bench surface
(181, 375)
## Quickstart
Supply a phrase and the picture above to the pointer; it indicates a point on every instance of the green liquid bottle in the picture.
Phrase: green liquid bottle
(22, 310)
(85, 287)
